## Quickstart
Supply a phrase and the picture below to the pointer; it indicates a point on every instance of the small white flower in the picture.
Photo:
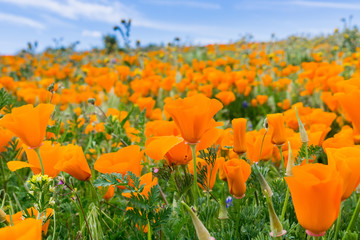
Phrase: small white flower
(51, 189)
(31, 192)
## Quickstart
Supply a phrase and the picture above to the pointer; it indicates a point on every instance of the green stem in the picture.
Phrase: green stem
(195, 186)
(354, 216)
(285, 204)
(37, 150)
(282, 160)
(3, 173)
(94, 192)
(316, 238)
(306, 152)
(149, 231)
(54, 230)
(337, 228)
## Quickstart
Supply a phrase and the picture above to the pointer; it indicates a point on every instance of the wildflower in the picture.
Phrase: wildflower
(237, 172)
(239, 131)
(277, 128)
(32, 213)
(122, 161)
(29, 123)
(193, 115)
(28, 229)
(50, 156)
(229, 202)
(74, 162)
(347, 162)
(316, 193)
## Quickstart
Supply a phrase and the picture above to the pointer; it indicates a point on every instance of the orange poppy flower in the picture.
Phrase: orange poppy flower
(109, 192)
(29, 123)
(193, 115)
(167, 144)
(27, 229)
(74, 162)
(5, 138)
(239, 131)
(344, 138)
(124, 160)
(253, 144)
(32, 212)
(148, 180)
(211, 172)
(222, 174)
(347, 101)
(50, 154)
(347, 162)
(316, 191)
(277, 128)
(237, 172)
(226, 97)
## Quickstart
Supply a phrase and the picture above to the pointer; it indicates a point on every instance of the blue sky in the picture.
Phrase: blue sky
(159, 21)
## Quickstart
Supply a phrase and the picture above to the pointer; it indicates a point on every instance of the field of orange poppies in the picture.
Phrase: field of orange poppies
(247, 140)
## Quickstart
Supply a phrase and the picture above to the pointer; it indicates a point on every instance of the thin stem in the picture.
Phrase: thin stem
(81, 208)
(54, 230)
(163, 195)
(282, 160)
(94, 191)
(3, 173)
(337, 228)
(306, 152)
(195, 186)
(37, 150)
(285, 204)
(354, 216)
(149, 231)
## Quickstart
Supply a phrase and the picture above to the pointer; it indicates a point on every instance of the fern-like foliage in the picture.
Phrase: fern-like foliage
(313, 150)
(115, 179)
(146, 210)
(6, 101)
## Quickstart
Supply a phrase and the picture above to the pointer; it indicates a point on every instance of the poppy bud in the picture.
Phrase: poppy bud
(201, 231)
(223, 214)
(275, 224)
(2, 216)
(239, 131)
(290, 163)
(303, 134)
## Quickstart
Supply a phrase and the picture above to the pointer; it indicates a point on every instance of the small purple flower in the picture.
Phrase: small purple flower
(61, 182)
(229, 202)
(156, 170)
(245, 104)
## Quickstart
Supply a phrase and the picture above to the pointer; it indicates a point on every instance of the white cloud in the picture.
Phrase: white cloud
(206, 41)
(87, 33)
(191, 4)
(112, 12)
(351, 6)
(19, 20)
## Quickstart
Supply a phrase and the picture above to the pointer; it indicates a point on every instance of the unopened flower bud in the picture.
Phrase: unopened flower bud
(290, 163)
(303, 134)
(201, 231)
(275, 224)
(2, 216)
(223, 214)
